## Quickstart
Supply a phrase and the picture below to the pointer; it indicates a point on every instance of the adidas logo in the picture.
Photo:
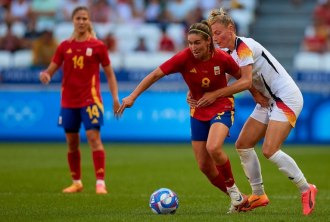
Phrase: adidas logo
(69, 51)
(193, 70)
(95, 121)
(101, 170)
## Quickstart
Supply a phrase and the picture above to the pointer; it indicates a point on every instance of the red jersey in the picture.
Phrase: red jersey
(204, 76)
(81, 71)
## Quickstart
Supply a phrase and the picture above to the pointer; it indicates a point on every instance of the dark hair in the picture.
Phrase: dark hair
(202, 28)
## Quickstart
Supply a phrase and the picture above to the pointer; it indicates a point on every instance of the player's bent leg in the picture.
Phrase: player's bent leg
(252, 132)
(204, 161)
(276, 134)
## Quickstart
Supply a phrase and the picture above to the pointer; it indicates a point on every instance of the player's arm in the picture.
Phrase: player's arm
(243, 82)
(113, 87)
(150, 79)
(259, 97)
(46, 75)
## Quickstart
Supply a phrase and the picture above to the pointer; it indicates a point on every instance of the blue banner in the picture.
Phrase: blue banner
(156, 116)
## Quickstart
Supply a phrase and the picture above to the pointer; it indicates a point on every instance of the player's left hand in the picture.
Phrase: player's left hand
(261, 99)
(207, 99)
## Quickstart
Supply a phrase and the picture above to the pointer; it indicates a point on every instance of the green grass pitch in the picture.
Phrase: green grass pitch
(32, 176)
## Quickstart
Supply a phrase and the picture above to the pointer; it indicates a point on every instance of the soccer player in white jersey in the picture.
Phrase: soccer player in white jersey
(273, 117)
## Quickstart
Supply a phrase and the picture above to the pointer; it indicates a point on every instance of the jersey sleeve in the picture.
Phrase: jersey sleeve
(174, 64)
(58, 56)
(245, 54)
(104, 55)
(232, 66)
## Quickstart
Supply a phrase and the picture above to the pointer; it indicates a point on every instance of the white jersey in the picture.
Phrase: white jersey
(272, 80)
(269, 76)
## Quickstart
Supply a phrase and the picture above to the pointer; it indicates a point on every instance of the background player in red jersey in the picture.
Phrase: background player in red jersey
(204, 69)
(81, 100)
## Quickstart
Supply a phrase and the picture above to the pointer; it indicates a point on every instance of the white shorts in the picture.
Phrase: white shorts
(286, 110)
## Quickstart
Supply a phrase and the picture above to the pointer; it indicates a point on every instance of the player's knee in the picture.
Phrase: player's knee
(73, 143)
(239, 144)
(211, 148)
(268, 151)
(215, 151)
(245, 143)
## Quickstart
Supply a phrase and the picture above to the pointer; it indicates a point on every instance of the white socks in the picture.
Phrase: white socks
(252, 169)
(289, 167)
(77, 181)
(100, 182)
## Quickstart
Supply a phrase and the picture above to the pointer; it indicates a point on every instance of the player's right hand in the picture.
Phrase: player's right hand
(44, 77)
(127, 102)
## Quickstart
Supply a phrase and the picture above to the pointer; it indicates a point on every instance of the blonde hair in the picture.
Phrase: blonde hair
(90, 27)
(220, 16)
(202, 28)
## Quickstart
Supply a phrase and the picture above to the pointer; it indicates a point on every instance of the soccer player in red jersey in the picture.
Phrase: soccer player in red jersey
(81, 102)
(204, 69)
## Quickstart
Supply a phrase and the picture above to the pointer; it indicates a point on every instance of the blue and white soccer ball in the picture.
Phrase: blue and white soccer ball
(164, 201)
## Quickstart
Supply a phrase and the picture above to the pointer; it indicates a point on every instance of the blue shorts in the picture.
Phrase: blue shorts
(200, 129)
(71, 118)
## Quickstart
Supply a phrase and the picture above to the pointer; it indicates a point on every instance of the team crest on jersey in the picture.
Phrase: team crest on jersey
(89, 51)
(216, 70)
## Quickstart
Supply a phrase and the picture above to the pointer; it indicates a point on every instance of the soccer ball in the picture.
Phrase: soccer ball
(164, 201)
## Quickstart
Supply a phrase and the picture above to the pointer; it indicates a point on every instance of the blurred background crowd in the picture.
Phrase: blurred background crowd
(317, 34)
(30, 30)
(123, 25)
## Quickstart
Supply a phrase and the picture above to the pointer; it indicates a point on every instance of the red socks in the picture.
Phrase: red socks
(99, 164)
(225, 171)
(219, 182)
(74, 164)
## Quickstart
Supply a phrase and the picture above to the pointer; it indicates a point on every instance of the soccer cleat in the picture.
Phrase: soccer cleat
(101, 189)
(232, 210)
(308, 199)
(238, 208)
(74, 188)
(255, 201)
(238, 200)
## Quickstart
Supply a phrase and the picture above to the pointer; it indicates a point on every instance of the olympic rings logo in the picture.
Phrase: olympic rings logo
(19, 113)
